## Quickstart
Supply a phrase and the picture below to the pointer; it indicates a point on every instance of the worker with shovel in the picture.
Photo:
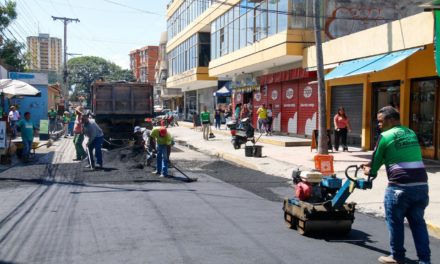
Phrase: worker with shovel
(95, 138)
(163, 145)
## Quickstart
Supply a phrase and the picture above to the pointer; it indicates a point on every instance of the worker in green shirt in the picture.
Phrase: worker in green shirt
(27, 128)
(66, 120)
(205, 119)
(52, 115)
(163, 140)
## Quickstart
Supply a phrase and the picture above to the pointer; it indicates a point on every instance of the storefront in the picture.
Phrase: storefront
(294, 99)
(190, 104)
(425, 115)
(350, 97)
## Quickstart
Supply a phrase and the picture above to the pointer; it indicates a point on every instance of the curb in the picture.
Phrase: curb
(433, 230)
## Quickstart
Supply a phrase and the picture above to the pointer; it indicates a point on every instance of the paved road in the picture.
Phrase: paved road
(62, 213)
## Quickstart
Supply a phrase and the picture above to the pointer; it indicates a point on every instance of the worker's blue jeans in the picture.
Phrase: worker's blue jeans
(409, 202)
(97, 145)
(27, 145)
(162, 160)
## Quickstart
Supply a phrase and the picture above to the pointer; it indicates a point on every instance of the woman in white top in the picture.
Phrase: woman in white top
(269, 120)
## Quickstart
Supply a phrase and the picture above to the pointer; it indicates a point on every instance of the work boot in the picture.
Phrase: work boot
(88, 166)
(390, 260)
(156, 172)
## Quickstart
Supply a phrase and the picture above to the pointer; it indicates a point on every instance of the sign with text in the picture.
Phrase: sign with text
(44, 129)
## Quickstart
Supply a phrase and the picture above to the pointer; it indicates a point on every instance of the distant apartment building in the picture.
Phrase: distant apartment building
(45, 53)
(142, 63)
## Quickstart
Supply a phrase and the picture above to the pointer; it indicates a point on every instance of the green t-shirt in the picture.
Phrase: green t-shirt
(166, 140)
(205, 117)
(52, 114)
(66, 119)
(72, 117)
(398, 148)
(26, 129)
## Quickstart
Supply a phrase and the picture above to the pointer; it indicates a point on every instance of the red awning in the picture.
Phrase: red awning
(294, 74)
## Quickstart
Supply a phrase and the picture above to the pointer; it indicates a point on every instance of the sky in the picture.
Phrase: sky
(108, 28)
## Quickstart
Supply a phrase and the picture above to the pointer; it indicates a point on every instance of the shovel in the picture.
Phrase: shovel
(188, 179)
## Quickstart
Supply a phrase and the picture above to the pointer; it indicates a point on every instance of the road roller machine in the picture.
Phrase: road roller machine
(319, 205)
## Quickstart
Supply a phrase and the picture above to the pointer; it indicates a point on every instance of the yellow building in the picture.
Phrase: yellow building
(45, 53)
(392, 64)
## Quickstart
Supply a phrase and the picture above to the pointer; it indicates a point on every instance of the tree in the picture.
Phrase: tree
(10, 50)
(7, 14)
(10, 53)
(83, 71)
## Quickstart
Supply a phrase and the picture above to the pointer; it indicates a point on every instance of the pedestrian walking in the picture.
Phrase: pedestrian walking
(269, 120)
(95, 138)
(244, 113)
(218, 117)
(407, 192)
(205, 119)
(72, 116)
(13, 118)
(66, 120)
(78, 135)
(342, 127)
(163, 145)
(52, 115)
(27, 128)
(262, 118)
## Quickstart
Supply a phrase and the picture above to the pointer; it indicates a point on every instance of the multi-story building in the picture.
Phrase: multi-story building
(142, 63)
(45, 53)
(258, 46)
(170, 98)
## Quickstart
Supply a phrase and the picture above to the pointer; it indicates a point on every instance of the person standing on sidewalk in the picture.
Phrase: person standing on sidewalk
(342, 127)
(269, 120)
(163, 140)
(262, 118)
(66, 120)
(95, 138)
(407, 192)
(13, 118)
(78, 135)
(205, 119)
(52, 115)
(218, 118)
(72, 119)
(27, 128)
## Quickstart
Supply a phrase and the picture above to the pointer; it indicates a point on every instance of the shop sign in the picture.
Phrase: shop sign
(258, 97)
(238, 97)
(308, 91)
(289, 93)
(274, 94)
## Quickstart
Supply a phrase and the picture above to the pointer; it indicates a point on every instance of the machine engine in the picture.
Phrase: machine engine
(312, 186)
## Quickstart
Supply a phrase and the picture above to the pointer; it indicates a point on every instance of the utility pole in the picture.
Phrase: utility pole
(65, 20)
(322, 130)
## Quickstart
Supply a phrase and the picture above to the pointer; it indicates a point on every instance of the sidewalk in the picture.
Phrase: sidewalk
(282, 161)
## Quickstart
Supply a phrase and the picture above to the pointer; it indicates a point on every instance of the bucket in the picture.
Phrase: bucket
(324, 163)
(253, 151)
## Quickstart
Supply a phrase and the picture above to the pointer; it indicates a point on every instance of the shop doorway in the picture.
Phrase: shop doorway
(425, 117)
(384, 93)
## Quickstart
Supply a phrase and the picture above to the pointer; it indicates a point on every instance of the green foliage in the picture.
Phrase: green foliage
(83, 71)
(10, 53)
(10, 50)
(7, 14)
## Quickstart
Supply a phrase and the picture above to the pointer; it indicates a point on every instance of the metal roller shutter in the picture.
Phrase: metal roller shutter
(349, 97)
(274, 98)
(308, 107)
(289, 118)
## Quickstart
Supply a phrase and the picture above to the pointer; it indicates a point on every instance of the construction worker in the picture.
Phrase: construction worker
(78, 137)
(407, 193)
(205, 119)
(95, 139)
(66, 120)
(27, 127)
(163, 144)
(52, 115)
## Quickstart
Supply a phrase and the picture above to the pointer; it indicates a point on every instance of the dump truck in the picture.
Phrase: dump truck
(120, 106)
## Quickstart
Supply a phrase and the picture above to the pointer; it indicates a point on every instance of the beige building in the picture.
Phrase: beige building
(45, 53)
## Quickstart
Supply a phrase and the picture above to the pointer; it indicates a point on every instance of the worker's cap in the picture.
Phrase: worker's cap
(162, 131)
(12, 107)
(137, 129)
